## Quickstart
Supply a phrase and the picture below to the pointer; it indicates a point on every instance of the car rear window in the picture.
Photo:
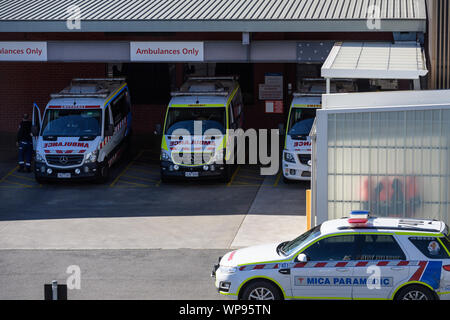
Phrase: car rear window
(380, 247)
(430, 247)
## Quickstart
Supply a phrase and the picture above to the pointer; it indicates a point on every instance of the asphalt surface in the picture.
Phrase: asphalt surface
(111, 274)
(135, 237)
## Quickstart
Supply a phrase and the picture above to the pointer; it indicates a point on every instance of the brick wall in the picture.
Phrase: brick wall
(21, 84)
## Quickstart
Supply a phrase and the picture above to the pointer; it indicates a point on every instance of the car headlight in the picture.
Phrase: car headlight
(289, 157)
(91, 156)
(223, 269)
(39, 157)
(165, 155)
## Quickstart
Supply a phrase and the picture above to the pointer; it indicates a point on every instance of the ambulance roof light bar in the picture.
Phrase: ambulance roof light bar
(98, 79)
(305, 94)
(206, 93)
(230, 78)
(102, 90)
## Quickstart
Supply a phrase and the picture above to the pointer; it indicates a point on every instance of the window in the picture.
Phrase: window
(237, 108)
(119, 108)
(337, 248)
(380, 247)
(106, 119)
(72, 122)
(430, 247)
(291, 246)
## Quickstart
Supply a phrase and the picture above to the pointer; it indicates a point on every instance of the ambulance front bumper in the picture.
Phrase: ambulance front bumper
(299, 172)
(298, 169)
(84, 171)
(202, 171)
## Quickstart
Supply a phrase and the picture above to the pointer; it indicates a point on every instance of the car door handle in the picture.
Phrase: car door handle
(342, 269)
(285, 271)
(397, 268)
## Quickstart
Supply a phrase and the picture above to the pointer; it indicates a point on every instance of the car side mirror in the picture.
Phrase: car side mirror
(302, 258)
(158, 130)
(109, 131)
(35, 131)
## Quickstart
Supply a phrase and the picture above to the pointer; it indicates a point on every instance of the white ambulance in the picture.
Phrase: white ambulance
(196, 140)
(297, 147)
(296, 161)
(84, 130)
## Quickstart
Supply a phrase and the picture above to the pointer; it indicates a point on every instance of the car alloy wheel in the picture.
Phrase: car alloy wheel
(415, 295)
(261, 293)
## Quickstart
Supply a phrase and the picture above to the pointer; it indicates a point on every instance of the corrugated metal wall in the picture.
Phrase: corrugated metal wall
(439, 36)
(393, 163)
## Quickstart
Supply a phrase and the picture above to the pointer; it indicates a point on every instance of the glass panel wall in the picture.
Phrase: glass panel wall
(393, 163)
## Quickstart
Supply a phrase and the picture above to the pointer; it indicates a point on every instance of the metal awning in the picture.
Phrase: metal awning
(375, 60)
(214, 15)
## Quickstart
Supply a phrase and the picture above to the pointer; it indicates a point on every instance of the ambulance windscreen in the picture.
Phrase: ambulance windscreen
(301, 122)
(196, 121)
(72, 123)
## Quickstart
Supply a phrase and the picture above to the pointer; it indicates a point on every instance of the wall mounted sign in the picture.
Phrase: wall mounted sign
(23, 51)
(272, 88)
(167, 51)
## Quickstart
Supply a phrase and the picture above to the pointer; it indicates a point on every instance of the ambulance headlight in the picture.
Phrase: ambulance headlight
(91, 156)
(289, 157)
(39, 157)
(165, 156)
(228, 269)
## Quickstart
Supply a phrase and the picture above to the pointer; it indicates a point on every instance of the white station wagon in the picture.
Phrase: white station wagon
(360, 257)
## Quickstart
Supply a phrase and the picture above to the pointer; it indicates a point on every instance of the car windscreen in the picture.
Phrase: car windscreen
(292, 246)
(301, 121)
(189, 119)
(72, 122)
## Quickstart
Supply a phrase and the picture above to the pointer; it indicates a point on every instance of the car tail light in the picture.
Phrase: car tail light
(446, 267)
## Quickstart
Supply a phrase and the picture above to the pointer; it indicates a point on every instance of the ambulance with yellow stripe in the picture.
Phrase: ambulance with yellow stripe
(296, 160)
(84, 130)
(354, 258)
(196, 140)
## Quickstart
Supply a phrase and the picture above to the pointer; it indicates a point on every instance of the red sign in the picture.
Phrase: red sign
(275, 106)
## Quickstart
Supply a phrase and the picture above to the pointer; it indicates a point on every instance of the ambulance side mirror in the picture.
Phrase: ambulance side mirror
(109, 131)
(302, 258)
(35, 131)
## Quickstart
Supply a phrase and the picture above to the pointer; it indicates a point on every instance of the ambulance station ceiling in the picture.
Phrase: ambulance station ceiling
(214, 15)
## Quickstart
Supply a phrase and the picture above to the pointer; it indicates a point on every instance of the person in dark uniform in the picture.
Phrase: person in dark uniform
(25, 144)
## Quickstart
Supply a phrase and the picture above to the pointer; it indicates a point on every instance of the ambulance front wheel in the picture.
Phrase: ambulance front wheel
(40, 180)
(261, 290)
(104, 174)
(227, 173)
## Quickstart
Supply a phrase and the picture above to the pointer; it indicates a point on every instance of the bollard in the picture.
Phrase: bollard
(308, 210)
(54, 290)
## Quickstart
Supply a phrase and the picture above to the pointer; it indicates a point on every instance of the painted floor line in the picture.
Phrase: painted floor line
(8, 174)
(125, 170)
(140, 178)
(233, 176)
